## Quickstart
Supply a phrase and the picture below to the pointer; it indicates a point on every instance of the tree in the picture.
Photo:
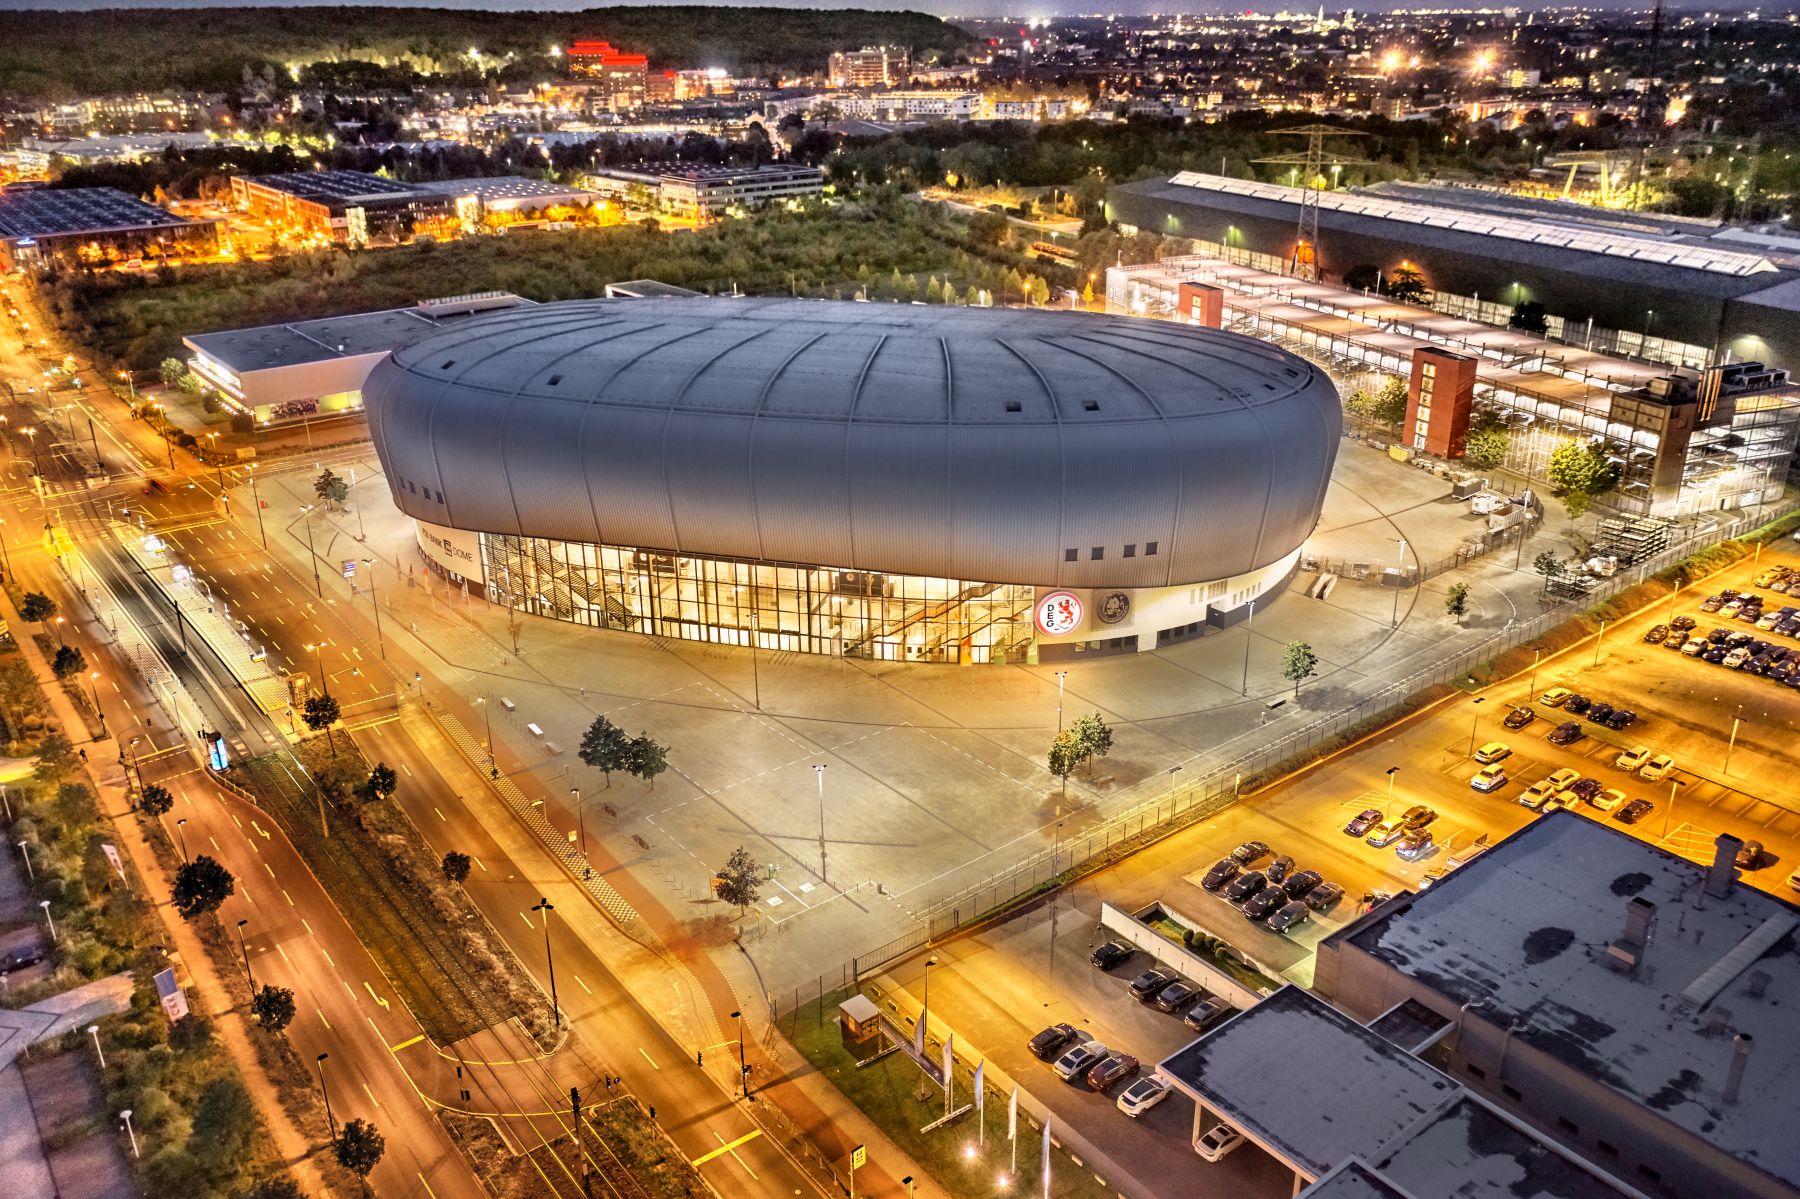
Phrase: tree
(68, 661)
(1456, 601)
(1407, 285)
(1530, 316)
(1386, 405)
(1298, 661)
(201, 886)
(646, 759)
(331, 488)
(224, 1122)
(1065, 755)
(321, 712)
(456, 866)
(739, 882)
(273, 1008)
(382, 783)
(155, 801)
(1578, 471)
(37, 607)
(1487, 446)
(359, 1148)
(605, 747)
(172, 370)
(1549, 566)
(1094, 736)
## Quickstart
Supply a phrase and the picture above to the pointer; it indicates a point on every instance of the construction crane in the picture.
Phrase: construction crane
(1305, 260)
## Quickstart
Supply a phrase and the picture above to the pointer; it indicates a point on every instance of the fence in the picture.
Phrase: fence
(1178, 807)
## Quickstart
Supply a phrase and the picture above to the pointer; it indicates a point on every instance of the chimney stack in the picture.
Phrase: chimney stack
(1640, 914)
(1723, 874)
(1740, 1057)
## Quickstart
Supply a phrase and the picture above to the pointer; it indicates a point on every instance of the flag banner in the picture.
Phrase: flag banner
(980, 1102)
(1045, 1166)
(1012, 1115)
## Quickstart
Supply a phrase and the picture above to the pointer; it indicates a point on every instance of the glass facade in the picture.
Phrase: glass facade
(783, 606)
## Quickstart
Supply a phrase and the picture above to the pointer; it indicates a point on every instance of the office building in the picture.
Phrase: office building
(346, 207)
(876, 481)
(705, 193)
(94, 226)
(872, 66)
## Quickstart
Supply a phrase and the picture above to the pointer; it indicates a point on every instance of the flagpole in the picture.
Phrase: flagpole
(1012, 1128)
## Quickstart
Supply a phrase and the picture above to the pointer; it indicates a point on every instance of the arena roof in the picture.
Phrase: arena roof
(1486, 224)
(1000, 445)
(52, 212)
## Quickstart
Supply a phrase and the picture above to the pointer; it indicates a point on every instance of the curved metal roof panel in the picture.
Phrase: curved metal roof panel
(972, 443)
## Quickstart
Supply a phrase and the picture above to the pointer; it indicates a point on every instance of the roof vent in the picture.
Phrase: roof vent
(554, 380)
(1090, 405)
(1718, 1021)
(448, 365)
(1014, 406)
(1740, 1058)
(1723, 873)
(1758, 983)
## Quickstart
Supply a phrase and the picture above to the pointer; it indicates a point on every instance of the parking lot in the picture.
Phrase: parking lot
(1003, 985)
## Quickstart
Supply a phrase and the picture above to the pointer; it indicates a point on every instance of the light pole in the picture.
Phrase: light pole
(925, 1002)
(45, 904)
(1061, 677)
(25, 848)
(311, 553)
(324, 1091)
(181, 835)
(242, 948)
(546, 907)
(1474, 721)
(94, 1032)
(743, 1069)
(1598, 638)
(1249, 626)
(580, 822)
(1736, 720)
(1388, 804)
(375, 603)
(755, 669)
(256, 501)
(37, 463)
(1536, 654)
(487, 718)
(324, 679)
(1400, 568)
(126, 1116)
(819, 773)
(94, 686)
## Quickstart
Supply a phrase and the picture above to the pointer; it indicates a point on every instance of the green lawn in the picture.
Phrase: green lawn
(888, 1093)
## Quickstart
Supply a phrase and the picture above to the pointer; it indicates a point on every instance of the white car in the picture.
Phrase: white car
(1219, 1140)
(1493, 751)
(1142, 1095)
(1736, 658)
(1633, 758)
(1489, 778)
(1658, 768)
(1608, 799)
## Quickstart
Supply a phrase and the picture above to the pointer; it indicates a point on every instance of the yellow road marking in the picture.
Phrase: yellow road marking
(371, 1095)
(648, 1058)
(323, 1020)
(726, 1148)
(427, 1187)
(406, 1044)
(584, 986)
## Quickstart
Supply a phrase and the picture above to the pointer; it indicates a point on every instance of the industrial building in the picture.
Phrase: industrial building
(1633, 1005)
(346, 207)
(513, 195)
(1682, 441)
(872, 66)
(1627, 283)
(94, 226)
(913, 484)
(705, 193)
(309, 370)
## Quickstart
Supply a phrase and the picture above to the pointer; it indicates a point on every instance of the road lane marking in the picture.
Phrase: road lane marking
(283, 953)
(583, 985)
(527, 920)
(327, 954)
(378, 999)
(440, 815)
(287, 897)
(427, 1186)
(323, 1020)
(307, 927)
(406, 1044)
(406, 768)
(371, 1095)
(727, 1148)
(478, 863)
(648, 1058)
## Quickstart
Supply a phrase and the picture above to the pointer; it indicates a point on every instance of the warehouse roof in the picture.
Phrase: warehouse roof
(52, 211)
(269, 347)
(504, 189)
(336, 187)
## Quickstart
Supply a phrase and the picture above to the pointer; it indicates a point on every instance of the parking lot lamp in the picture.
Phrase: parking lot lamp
(1536, 654)
(1736, 720)
(1391, 772)
(1474, 720)
(925, 1003)
(1599, 637)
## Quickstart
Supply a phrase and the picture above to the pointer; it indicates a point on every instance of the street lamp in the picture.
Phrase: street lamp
(126, 1116)
(1474, 721)
(25, 848)
(487, 717)
(1400, 567)
(319, 587)
(94, 685)
(546, 907)
(743, 1069)
(94, 1032)
(375, 603)
(1249, 625)
(925, 1001)
(256, 500)
(329, 1120)
(324, 678)
(45, 904)
(1061, 676)
(580, 822)
(819, 773)
(242, 948)
(181, 835)
(1388, 804)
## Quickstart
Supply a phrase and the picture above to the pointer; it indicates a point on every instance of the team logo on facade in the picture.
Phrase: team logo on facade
(1058, 613)
(1115, 607)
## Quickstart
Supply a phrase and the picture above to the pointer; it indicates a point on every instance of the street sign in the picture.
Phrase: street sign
(349, 568)
(859, 1157)
(174, 1000)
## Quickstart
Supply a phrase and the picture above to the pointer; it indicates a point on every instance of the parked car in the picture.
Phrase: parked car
(1712, 603)
(1634, 811)
(1540, 791)
(1657, 634)
(1249, 852)
(1078, 1059)
(1109, 954)
(1693, 647)
(1519, 717)
(1585, 788)
(1363, 821)
(1176, 996)
(1750, 856)
(1657, 768)
(1279, 869)
(1683, 622)
(1218, 1141)
(1736, 659)
(1566, 733)
(1715, 655)
(1621, 718)
(1206, 1013)
(1555, 697)
(1299, 884)
(1607, 798)
(1374, 899)
(1223, 871)
(1142, 1095)
(1048, 1045)
(19, 959)
(1489, 778)
(1417, 817)
(1575, 705)
(1598, 713)
(1559, 801)
(1768, 621)
(1263, 902)
(1148, 985)
(1322, 897)
(1385, 833)
(1415, 845)
(1493, 751)
(1115, 1069)
(1719, 636)
(1290, 915)
(1245, 885)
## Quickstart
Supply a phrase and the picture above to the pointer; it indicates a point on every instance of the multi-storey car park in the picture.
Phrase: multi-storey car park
(875, 481)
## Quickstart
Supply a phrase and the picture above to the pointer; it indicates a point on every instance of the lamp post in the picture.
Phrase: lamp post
(1061, 677)
(45, 904)
(242, 948)
(743, 1069)
(25, 849)
(126, 1117)
(1249, 626)
(60, 621)
(1598, 638)
(1736, 720)
(94, 1032)
(819, 773)
(37, 463)
(324, 679)
(94, 686)
(755, 636)
(375, 603)
(1536, 654)
(925, 1002)
(330, 1121)
(181, 835)
(1387, 805)
(256, 501)
(487, 719)
(580, 822)
(546, 907)
(1400, 566)
(311, 553)
(1474, 721)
